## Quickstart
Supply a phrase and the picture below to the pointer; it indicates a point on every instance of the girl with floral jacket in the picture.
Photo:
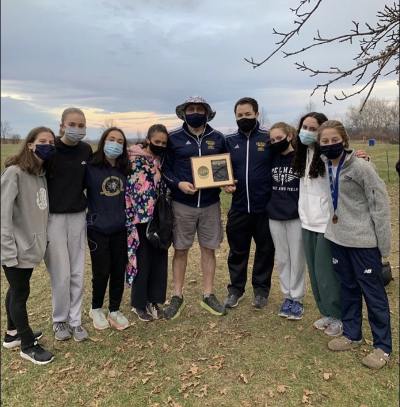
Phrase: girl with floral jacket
(147, 268)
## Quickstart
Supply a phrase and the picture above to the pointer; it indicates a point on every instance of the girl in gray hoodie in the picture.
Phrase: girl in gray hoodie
(360, 231)
(24, 215)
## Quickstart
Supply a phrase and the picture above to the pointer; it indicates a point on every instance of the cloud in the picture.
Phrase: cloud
(139, 60)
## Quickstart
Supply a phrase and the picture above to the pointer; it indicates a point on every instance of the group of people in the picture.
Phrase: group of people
(298, 192)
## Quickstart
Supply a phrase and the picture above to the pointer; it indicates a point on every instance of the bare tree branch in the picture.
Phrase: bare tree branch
(107, 123)
(5, 131)
(379, 46)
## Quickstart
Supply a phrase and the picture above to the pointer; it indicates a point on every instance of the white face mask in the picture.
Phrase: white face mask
(75, 133)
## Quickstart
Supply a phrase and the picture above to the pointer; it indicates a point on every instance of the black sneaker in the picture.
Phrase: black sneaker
(12, 341)
(36, 354)
(211, 304)
(175, 307)
(143, 314)
(232, 300)
(259, 302)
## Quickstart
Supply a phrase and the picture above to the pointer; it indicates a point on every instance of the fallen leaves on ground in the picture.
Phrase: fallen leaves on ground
(327, 376)
(243, 378)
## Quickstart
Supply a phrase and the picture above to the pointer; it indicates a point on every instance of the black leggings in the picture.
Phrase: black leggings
(150, 283)
(16, 298)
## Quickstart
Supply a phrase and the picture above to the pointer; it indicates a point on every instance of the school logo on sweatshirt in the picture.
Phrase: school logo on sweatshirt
(41, 199)
(112, 186)
(284, 176)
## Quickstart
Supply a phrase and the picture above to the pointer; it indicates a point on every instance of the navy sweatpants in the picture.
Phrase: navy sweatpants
(360, 274)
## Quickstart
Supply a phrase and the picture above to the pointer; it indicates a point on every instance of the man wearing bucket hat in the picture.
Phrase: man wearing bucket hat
(194, 211)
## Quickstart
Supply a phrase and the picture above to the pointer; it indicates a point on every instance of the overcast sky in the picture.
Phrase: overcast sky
(136, 60)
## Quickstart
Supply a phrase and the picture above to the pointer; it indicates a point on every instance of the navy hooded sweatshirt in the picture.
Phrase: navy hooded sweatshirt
(283, 204)
(105, 187)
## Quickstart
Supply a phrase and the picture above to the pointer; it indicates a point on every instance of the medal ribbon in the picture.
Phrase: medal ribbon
(334, 185)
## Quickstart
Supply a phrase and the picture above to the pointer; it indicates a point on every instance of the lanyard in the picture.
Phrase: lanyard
(334, 185)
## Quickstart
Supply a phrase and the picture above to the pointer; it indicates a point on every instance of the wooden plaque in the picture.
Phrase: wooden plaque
(211, 171)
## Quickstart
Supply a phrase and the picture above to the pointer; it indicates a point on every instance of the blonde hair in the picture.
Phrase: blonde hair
(287, 129)
(66, 112)
(334, 124)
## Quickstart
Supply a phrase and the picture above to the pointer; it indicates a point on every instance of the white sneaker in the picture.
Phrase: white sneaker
(117, 320)
(335, 328)
(322, 323)
(99, 318)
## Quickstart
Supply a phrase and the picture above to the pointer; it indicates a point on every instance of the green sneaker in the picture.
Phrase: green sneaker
(175, 307)
(211, 304)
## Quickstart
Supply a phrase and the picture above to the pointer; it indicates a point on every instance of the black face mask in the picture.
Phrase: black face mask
(332, 151)
(156, 150)
(280, 146)
(196, 120)
(45, 151)
(246, 125)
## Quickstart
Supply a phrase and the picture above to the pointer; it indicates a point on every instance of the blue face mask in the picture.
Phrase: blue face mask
(332, 151)
(195, 120)
(44, 151)
(307, 137)
(113, 149)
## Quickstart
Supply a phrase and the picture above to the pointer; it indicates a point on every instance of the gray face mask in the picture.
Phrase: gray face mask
(75, 133)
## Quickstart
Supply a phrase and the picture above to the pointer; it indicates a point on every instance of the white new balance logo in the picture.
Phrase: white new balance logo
(188, 142)
(367, 271)
(237, 146)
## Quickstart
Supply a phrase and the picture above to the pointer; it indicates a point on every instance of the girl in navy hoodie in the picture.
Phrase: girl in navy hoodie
(284, 222)
(105, 185)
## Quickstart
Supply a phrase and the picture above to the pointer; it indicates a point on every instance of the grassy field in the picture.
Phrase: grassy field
(247, 358)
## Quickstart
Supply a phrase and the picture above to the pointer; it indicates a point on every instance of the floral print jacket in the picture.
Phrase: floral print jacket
(140, 197)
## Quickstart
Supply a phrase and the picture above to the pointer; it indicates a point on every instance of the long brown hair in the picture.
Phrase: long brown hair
(122, 162)
(317, 167)
(25, 158)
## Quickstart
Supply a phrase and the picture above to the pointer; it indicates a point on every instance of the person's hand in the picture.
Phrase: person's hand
(362, 154)
(187, 188)
(230, 189)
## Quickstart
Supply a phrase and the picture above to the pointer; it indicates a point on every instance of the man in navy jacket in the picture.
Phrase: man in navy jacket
(193, 210)
(251, 156)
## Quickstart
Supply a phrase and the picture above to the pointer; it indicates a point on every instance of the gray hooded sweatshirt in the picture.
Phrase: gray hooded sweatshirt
(363, 208)
(24, 215)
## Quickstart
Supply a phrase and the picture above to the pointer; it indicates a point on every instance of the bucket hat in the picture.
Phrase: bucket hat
(180, 109)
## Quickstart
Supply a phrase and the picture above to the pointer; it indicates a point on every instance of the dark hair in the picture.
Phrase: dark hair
(122, 162)
(155, 128)
(317, 167)
(245, 101)
(25, 158)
